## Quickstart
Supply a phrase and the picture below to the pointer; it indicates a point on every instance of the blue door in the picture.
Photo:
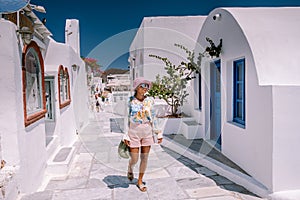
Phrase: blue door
(215, 109)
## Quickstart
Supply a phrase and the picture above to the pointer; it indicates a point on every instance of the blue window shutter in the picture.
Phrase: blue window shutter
(239, 111)
(200, 91)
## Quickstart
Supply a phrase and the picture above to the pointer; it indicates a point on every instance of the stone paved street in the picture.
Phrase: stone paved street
(98, 173)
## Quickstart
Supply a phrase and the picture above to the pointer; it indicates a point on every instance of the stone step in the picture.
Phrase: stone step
(52, 146)
(191, 130)
(59, 164)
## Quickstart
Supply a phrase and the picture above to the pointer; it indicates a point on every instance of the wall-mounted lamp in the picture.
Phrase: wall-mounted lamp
(26, 34)
(44, 20)
(133, 62)
(75, 67)
(217, 17)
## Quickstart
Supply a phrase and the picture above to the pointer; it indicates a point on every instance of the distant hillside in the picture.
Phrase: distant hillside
(113, 71)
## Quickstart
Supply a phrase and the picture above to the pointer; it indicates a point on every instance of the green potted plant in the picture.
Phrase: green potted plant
(172, 87)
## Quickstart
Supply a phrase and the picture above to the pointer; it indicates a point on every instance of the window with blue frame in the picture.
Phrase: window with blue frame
(200, 92)
(239, 91)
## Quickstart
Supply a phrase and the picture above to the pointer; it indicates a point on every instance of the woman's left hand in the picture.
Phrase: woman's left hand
(159, 140)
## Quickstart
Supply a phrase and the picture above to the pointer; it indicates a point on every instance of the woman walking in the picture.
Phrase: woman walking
(142, 123)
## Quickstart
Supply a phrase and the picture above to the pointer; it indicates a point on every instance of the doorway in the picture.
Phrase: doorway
(50, 120)
(215, 105)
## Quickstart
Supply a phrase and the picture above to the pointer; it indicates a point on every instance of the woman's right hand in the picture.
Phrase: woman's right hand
(127, 142)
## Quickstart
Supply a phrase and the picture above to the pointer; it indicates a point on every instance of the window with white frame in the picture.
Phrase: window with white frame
(63, 87)
(33, 84)
(239, 91)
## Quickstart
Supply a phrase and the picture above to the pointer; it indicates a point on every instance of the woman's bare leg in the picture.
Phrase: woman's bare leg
(143, 165)
(134, 157)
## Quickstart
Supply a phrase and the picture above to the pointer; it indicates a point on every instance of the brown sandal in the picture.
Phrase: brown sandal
(142, 187)
(130, 176)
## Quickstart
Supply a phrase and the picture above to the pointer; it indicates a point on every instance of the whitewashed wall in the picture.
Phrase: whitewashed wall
(249, 147)
(80, 98)
(265, 147)
(286, 138)
(32, 145)
(72, 35)
(79, 90)
(61, 54)
(10, 87)
(21, 147)
(25, 147)
(71, 118)
(157, 35)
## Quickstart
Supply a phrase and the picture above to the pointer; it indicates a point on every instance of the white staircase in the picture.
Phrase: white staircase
(59, 163)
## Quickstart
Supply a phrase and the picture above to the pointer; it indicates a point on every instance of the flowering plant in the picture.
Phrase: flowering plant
(172, 87)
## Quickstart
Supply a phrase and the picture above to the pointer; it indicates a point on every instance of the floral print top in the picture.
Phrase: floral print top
(141, 112)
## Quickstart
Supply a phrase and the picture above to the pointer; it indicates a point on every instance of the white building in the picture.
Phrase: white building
(43, 103)
(118, 82)
(158, 35)
(247, 99)
(259, 92)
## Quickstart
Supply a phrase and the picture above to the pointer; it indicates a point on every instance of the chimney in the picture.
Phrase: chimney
(72, 34)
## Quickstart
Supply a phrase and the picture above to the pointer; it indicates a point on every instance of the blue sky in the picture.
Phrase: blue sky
(102, 20)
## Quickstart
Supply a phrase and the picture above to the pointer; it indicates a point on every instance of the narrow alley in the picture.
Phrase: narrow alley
(97, 172)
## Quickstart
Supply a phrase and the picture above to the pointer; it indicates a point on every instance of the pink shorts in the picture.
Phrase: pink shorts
(140, 135)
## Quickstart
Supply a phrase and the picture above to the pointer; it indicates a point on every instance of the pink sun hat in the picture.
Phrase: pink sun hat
(139, 81)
